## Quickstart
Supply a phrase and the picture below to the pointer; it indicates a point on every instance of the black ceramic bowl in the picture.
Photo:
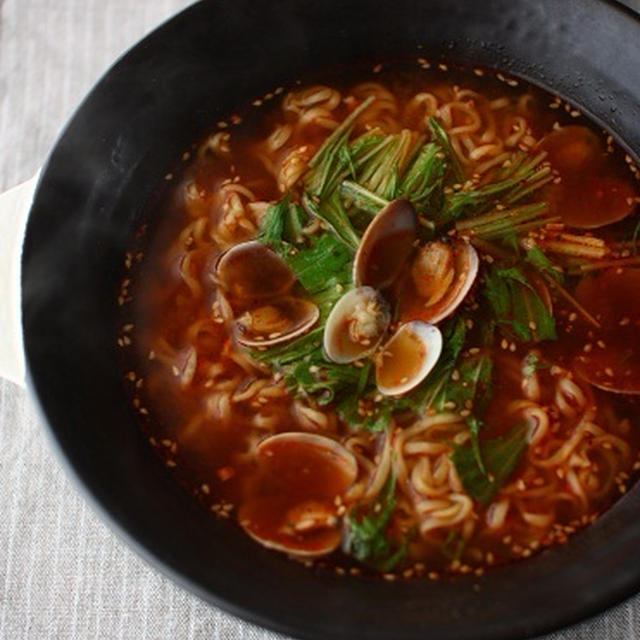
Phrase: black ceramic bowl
(160, 97)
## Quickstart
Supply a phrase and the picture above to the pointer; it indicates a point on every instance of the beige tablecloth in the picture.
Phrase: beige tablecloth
(63, 574)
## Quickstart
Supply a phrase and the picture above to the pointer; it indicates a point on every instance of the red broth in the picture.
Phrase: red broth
(524, 431)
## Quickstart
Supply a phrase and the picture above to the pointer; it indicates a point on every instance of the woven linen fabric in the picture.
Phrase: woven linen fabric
(63, 573)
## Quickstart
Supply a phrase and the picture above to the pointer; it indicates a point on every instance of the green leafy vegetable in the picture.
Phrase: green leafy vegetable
(431, 393)
(294, 223)
(502, 223)
(471, 391)
(536, 257)
(533, 364)
(361, 197)
(367, 539)
(332, 211)
(272, 225)
(380, 172)
(517, 307)
(376, 418)
(333, 157)
(328, 167)
(423, 183)
(441, 137)
(520, 178)
(472, 388)
(500, 456)
(323, 260)
(316, 377)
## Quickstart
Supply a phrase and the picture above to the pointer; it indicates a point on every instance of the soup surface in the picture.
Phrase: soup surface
(393, 325)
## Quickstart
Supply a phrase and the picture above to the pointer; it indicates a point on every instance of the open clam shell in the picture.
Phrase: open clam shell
(442, 275)
(252, 270)
(386, 245)
(609, 357)
(300, 476)
(356, 325)
(590, 192)
(408, 358)
(276, 321)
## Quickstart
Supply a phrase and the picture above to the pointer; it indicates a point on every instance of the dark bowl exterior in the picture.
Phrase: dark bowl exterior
(160, 97)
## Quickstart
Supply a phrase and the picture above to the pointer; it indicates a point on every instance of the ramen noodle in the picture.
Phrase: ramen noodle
(393, 325)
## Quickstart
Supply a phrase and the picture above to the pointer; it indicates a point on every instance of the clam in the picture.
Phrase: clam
(442, 274)
(385, 245)
(408, 358)
(293, 508)
(591, 191)
(609, 357)
(276, 321)
(356, 325)
(252, 270)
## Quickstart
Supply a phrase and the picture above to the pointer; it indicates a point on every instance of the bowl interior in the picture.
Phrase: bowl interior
(133, 126)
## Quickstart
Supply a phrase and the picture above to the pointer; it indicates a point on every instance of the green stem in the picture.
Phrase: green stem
(362, 198)
(500, 219)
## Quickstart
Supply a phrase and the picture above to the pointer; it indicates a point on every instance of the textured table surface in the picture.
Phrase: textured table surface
(63, 574)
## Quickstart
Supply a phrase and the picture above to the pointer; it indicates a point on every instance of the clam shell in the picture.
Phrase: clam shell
(331, 451)
(408, 358)
(365, 307)
(591, 193)
(386, 245)
(612, 363)
(465, 265)
(302, 520)
(276, 321)
(252, 270)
